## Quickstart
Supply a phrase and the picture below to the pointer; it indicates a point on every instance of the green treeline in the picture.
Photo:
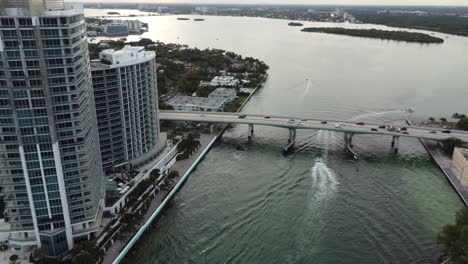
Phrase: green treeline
(379, 34)
(447, 24)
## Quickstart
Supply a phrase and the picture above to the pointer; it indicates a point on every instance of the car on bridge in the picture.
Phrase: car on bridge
(242, 116)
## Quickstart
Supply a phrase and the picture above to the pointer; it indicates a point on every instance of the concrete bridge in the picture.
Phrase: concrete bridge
(294, 123)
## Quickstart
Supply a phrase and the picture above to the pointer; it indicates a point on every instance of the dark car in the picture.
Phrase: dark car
(267, 117)
(360, 123)
(374, 129)
(404, 129)
(433, 132)
(406, 133)
(382, 126)
(242, 116)
(446, 131)
(323, 122)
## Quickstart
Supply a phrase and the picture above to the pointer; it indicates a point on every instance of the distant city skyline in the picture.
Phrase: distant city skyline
(298, 2)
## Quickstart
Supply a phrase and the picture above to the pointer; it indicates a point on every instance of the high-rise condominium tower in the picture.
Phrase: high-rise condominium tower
(50, 165)
(127, 107)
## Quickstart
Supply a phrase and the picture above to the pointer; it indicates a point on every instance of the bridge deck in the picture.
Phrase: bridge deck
(315, 124)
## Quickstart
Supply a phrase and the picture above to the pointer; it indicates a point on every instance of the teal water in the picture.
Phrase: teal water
(317, 205)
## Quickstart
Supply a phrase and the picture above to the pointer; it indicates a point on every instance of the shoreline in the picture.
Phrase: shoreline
(441, 161)
(396, 28)
(111, 256)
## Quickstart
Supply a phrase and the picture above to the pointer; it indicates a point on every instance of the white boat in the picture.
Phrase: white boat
(409, 110)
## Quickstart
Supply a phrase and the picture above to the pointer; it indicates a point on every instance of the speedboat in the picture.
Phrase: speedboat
(409, 110)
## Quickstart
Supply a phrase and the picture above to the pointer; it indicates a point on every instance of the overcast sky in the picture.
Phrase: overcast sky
(305, 2)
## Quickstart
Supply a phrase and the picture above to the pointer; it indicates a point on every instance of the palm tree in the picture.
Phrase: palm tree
(443, 120)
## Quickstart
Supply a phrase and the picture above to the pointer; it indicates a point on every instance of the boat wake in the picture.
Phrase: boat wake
(307, 89)
(378, 114)
(324, 179)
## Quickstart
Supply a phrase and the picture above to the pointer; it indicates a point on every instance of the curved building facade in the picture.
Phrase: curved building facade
(126, 99)
(50, 164)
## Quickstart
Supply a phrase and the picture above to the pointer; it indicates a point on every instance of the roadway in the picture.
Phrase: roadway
(314, 124)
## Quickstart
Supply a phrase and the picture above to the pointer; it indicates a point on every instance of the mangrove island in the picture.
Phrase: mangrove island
(379, 34)
(295, 24)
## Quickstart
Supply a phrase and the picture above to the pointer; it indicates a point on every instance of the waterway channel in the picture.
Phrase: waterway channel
(317, 205)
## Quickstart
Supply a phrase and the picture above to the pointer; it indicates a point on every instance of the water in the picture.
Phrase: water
(317, 205)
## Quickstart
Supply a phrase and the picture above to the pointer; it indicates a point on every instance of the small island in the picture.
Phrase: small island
(379, 34)
(113, 13)
(199, 19)
(295, 24)
(183, 18)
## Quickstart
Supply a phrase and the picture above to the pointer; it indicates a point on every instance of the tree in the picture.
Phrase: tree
(454, 238)
(145, 42)
(13, 259)
(86, 252)
(431, 119)
(462, 124)
(443, 120)
(449, 144)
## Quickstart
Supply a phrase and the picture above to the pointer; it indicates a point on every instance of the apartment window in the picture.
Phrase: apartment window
(27, 34)
(29, 44)
(8, 22)
(35, 82)
(15, 64)
(30, 54)
(49, 21)
(9, 34)
(25, 22)
(32, 64)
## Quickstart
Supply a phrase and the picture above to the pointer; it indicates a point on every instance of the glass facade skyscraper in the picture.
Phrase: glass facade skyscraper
(126, 98)
(50, 164)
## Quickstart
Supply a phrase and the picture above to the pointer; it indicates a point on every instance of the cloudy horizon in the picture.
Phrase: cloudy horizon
(298, 2)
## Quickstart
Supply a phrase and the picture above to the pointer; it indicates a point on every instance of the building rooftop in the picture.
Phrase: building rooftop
(111, 58)
(39, 8)
(206, 102)
(223, 92)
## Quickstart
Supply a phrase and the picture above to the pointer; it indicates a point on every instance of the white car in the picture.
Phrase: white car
(338, 126)
(202, 115)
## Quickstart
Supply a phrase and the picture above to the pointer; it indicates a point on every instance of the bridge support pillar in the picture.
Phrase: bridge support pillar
(397, 144)
(349, 139)
(211, 128)
(292, 136)
(251, 131)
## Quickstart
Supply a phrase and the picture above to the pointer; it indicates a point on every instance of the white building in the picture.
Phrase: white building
(116, 28)
(224, 81)
(188, 103)
(126, 101)
(226, 93)
(134, 26)
(52, 177)
(202, 9)
(162, 9)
